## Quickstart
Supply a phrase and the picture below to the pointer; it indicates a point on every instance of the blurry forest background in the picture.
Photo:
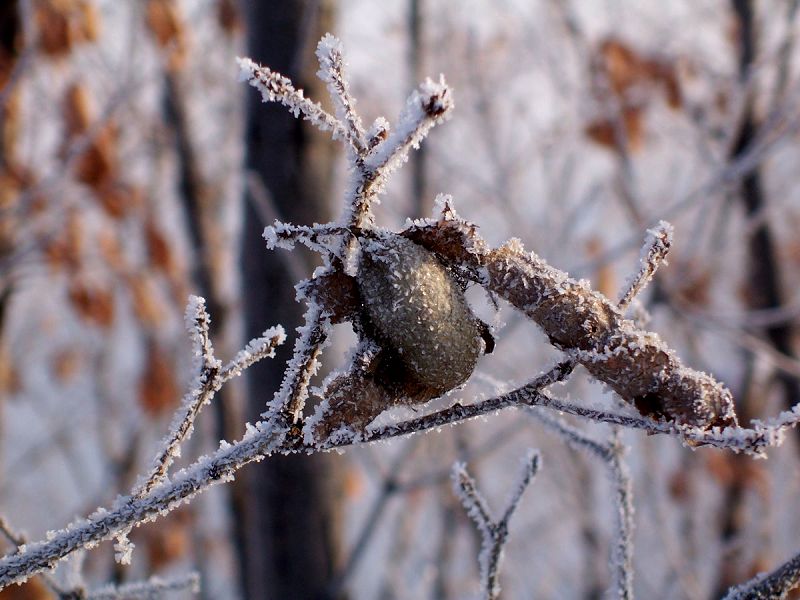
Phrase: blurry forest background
(135, 170)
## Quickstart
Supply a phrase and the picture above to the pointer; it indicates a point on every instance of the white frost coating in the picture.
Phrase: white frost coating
(332, 72)
(303, 364)
(656, 246)
(123, 550)
(256, 349)
(153, 588)
(432, 103)
(378, 130)
(274, 87)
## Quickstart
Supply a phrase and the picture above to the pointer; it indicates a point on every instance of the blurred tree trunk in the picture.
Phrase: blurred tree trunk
(764, 291)
(422, 203)
(288, 517)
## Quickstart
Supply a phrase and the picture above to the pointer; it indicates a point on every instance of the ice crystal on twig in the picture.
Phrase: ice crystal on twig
(209, 378)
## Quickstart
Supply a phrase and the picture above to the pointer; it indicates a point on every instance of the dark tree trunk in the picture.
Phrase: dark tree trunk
(288, 515)
(764, 292)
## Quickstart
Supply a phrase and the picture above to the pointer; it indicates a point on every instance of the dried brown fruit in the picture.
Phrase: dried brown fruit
(419, 311)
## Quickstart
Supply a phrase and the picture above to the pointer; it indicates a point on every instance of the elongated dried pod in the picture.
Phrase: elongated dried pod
(635, 363)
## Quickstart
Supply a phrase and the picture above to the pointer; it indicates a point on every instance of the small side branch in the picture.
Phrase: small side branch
(612, 454)
(331, 71)
(654, 253)
(775, 585)
(293, 393)
(155, 587)
(494, 532)
(274, 87)
(208, 381)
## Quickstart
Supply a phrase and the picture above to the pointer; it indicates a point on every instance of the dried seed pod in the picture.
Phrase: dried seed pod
(419, 312)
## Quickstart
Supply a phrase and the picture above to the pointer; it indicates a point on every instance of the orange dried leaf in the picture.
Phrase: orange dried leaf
(66, 364)
(98, 163)
(158, 248)
(10, 382)
(118, 199)
(92, 303)
(603, 278)
(158, 389)
(78, 109)
(628, 132)
(147, 306)
(228, 16)
(170, 542)
(165, 22)
(33, 589)
(55, 36)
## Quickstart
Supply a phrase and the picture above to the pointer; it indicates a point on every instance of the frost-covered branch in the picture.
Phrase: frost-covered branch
(291, 396)
(432, 103)
(331, 71)
(768, 586)
(494, 532)
(209, 378)
(260, 441)
(152, 589)
(611, 453)
(274, 87)
(654, 252)
(635, 363)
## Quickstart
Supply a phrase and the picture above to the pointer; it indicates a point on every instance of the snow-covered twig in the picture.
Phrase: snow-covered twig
(637, 364)
(611, 453)
(274, 87)
(654, 252)
(209, 379)
(494, 532)
(768, 586)
(331, 71)
(127, 512)
(291, 396)
(432, 103)
(152, 589)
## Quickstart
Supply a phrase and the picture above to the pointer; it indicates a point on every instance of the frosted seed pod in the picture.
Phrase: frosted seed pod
(419, 311)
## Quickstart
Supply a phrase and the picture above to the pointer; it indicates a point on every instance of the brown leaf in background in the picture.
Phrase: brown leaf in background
(158, 389)
(165, 22)
(149, 310)
(626, 69)
(63, 23)
(78, 109)
(158, 248)
(603, 278)
(33, 589)
(228, 17)
(92, 302)
(66, 363)
(118, 199)
(9, 374)
(604, 131)
(171, 541)
(98, 163)
(65, 249)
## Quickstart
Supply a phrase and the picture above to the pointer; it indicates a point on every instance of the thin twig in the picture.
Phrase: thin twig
(494, 532)
(775, 585)
(152, 589)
